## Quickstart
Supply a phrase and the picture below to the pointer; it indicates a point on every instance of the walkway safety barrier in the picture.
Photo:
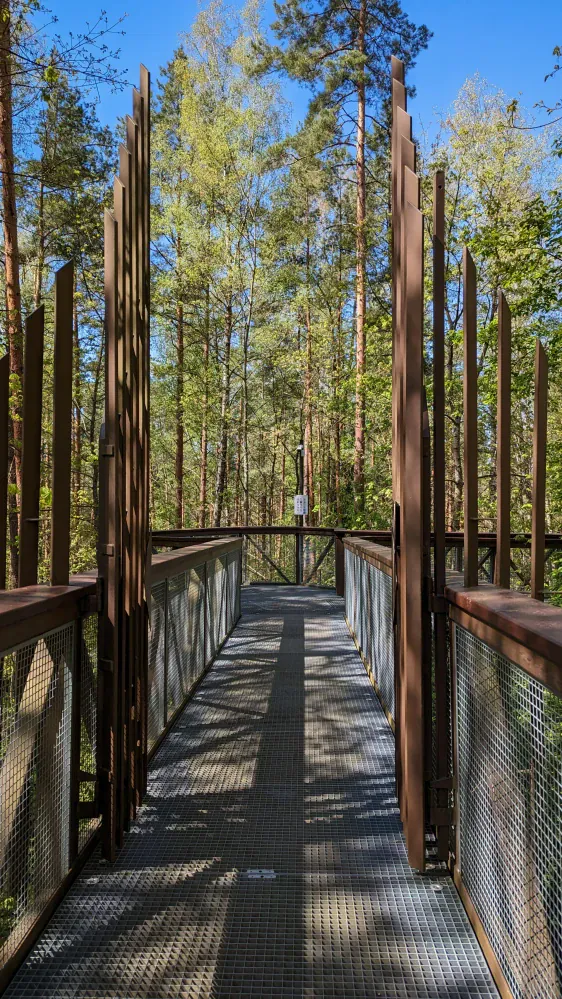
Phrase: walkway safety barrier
(49, 802)
(194, 605)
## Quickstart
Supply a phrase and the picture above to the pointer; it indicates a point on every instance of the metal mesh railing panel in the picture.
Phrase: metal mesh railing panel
(177, 682)
(196, 624)
(35, 773)
(509, 748)
(88, 720)
(156, 662)
(368, 602)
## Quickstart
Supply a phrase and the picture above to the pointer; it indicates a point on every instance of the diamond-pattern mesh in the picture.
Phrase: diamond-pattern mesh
(177, 666)
(267, 861)
(509, 739)
(191, 615)
(35, 747)
(156, 662)
(368, 593)
(88, 720)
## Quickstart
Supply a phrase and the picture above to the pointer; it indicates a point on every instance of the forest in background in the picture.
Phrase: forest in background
(271, 319)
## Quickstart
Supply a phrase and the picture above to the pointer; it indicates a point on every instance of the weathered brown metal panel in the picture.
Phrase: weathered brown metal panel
(31, 447)
(442, 727)
(411, 549)
(503, 464)
(109, 632)
(62, 424)
(470, 400)
(4, 442)
(539, 473)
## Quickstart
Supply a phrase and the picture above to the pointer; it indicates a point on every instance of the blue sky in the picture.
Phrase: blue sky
(509, 42)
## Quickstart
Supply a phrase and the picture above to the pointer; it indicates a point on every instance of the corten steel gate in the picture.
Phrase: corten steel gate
(478, 667)
(124, 481)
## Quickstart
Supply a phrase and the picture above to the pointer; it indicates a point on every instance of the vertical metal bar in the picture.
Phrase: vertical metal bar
(31, 447)
(118, 497)
(440, 615)
(145, 382)
(298, 558)
(62, 424)
(539, 473)
(398, 101)
(503, 464)
(137, 563)
(411, 582)
(439, 379)
(75, 740)
(125, 172)
(470, 399)
(109, 630)
(4, 442)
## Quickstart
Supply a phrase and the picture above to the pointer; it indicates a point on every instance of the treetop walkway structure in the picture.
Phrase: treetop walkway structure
(345, 781)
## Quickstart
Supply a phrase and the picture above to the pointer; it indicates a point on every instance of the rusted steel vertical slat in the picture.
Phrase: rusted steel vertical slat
(142, 610)
(442, 727)
(127, 683)
(412, 538)
(503, 464)
(470, 399)
(4, 442)
(31, 447)
(398, 101)
(539, 473)
(62, 423)
(119, 496)
(136, 568)
(439, 380)
(109, 631)
(410, 194)
(406, 165)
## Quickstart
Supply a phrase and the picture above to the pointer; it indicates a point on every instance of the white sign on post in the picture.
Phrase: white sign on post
(301, 505)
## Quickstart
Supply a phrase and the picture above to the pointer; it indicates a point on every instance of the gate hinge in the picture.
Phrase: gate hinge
(438, 604)
(107, 450)
(106, 665)
(107, 550)
(441, 816)
(443, 784)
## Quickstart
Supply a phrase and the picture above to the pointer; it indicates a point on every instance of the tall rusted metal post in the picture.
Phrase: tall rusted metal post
(441, 775)
(503, 464)
(470, 399)
(539, 473)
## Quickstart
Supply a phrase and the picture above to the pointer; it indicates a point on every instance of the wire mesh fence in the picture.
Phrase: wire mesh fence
(509, 749)
(368, 602)
(192, 613)
(35, 779)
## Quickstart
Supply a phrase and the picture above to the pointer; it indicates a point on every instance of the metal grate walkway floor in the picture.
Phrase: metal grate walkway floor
(268, 859)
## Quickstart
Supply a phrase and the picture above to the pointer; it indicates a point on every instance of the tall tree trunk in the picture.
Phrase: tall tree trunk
(361, 284)
(11, 267)
(204, 418)
(224, 420)
(179, 418)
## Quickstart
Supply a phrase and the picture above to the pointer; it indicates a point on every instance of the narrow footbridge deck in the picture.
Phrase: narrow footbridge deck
(267, 860)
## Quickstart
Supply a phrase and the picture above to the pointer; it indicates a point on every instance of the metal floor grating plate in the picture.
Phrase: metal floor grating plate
(268, 859)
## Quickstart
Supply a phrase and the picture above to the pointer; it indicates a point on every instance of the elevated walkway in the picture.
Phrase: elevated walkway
(267, 860)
